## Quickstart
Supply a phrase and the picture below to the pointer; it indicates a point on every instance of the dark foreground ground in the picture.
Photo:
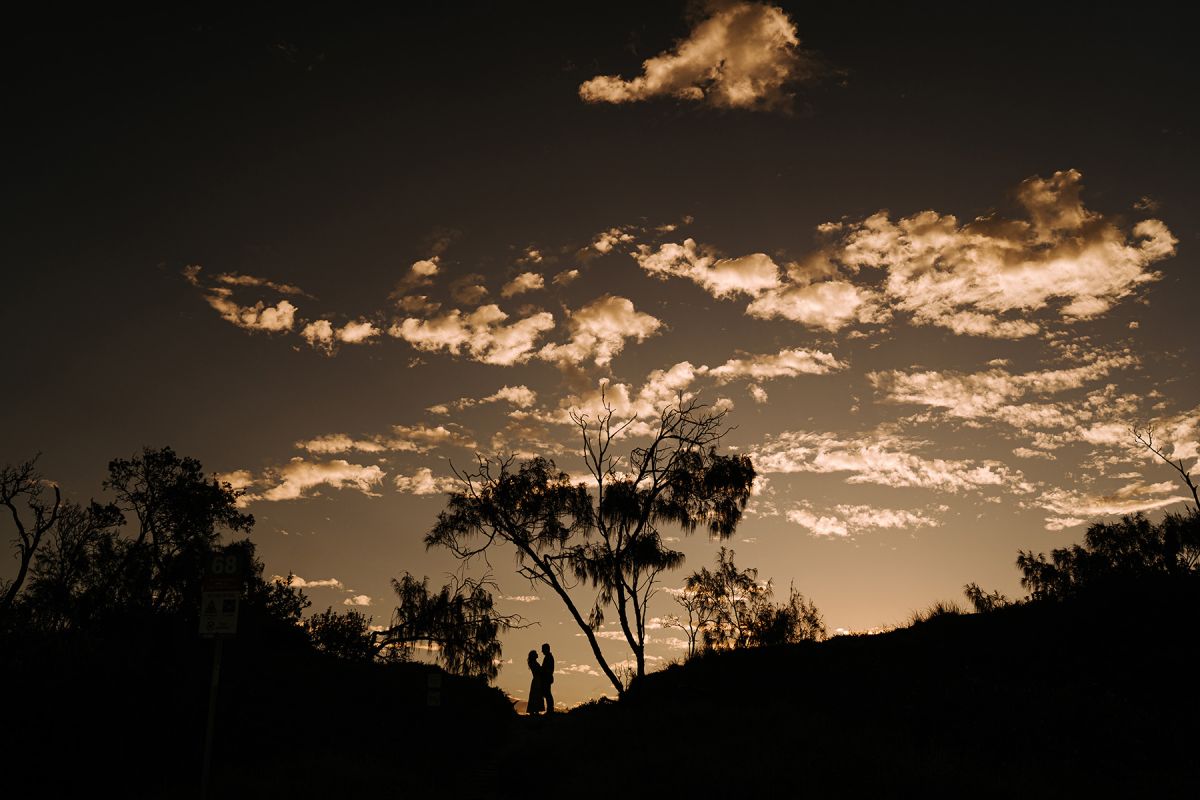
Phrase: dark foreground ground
(1094, 698)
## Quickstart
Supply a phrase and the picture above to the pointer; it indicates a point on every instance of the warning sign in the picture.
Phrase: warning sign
(219, 613)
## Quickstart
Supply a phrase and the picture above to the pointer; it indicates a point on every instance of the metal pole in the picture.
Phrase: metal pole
(212, 719)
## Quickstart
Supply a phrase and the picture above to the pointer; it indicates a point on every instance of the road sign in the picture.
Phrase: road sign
(219, 613)
(224, 572)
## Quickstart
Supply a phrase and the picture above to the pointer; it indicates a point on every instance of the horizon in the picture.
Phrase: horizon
(933, 283)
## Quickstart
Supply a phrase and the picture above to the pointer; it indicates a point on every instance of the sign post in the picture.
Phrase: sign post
(220, 596)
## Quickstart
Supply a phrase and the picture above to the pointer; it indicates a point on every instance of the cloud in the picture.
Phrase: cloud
(565, 277)
(599, 329)
(420, 273)
(237, 279)
(758, 393)
(402, 438)
(985, 277)
(237, 479)
(481, 334)
(425, 268)
(258, 317)
(516, 395)
(525, 282)
(744, 55)
(784, 364)
(831, 305)
(579, 669)
(971, 395)
(422, 482)
(883, 459)
(605, 241)
(659, 389)
(520, 396)
(469, 289)
(322, 335)
(521, 598)
(298, 478)
(417, 304)
(720, 277)
(357, 600)
(301, 583)
(969, 277)
(845, 520)
(1071, 507)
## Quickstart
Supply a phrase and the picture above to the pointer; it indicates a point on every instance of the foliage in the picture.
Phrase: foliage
(729, 608)
(346, 636)
(179, 515)
(23, 493)
(567, 537)
(982, 601)
(1130, 549)
(90, 573)
(940, 609)
(797, 620)
(459, 623)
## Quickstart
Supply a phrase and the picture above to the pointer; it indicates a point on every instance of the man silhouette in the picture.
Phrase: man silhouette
(548, 677)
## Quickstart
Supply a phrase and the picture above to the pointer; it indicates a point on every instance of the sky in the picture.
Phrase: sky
(933, 270)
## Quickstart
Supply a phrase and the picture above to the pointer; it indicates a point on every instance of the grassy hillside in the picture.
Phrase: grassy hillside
(1091, 696)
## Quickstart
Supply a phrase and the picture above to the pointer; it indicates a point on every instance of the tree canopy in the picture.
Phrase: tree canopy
(604, 536)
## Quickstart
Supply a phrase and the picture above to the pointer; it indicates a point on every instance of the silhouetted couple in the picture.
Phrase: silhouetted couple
(540, 697)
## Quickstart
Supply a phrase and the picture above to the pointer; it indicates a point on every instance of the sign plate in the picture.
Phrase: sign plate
(223, 573)
(219, 613)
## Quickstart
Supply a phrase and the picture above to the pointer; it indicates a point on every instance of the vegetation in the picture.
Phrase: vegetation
(729, 608)
(100, 628)
(1054, 693)
(607, 540)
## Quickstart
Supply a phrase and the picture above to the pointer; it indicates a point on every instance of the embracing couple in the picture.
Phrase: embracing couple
(540, 697)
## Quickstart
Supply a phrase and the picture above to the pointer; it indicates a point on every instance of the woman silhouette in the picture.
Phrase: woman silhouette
(537, 703)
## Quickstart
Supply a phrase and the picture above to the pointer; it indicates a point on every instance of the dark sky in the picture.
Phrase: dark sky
(332, 152)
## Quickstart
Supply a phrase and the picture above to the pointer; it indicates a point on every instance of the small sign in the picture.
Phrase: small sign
(219, 613)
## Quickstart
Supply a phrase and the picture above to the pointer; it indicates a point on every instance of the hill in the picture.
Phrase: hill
(1092, 696)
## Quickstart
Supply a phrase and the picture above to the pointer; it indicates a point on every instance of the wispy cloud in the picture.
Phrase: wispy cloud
(300, 478)
(423, 482)
(885, 460)
(301, 583)
(845, 520)
(402, 438)
(1072, 507)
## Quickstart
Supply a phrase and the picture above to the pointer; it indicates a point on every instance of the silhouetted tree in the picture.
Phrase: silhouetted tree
(699, 616)
(87, 572)
(23, 493)
(566, 536)
(179, 513)
(1133, 548)
(733, 599)
(347, 636)
(75, 572)
(982, 601)
(797, 620)
(738, 611)
(459, 624)
(1145, 437)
